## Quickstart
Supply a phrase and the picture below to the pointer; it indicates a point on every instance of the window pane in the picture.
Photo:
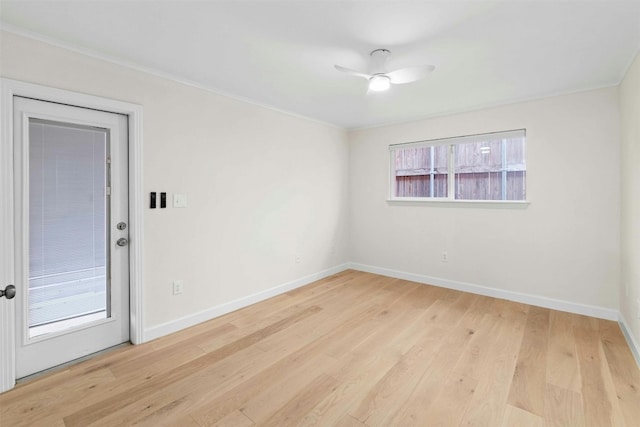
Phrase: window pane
(490, 170)
(67, 222)
(516, 169)
(421, 171)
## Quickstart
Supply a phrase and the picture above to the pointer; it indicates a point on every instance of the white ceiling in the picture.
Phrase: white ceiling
(282, 53)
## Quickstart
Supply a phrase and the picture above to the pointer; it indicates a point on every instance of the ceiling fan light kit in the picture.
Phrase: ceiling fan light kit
(379, 83)
(381, 80)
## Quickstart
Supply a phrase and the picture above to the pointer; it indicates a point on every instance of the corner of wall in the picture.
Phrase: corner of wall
(629, 102)
(633, 343)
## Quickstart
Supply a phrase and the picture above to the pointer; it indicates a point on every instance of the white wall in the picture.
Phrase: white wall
(262, 186)
(565, 245)
(630, 114)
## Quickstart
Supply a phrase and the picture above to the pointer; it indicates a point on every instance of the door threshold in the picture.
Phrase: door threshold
(61, 325)
(69, 363)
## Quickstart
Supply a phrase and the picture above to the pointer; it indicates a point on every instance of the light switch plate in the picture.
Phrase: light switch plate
(179, 200)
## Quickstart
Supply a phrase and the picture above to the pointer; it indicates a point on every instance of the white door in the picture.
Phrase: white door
(71, 233)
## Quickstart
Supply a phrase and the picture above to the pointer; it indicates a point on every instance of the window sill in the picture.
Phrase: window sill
(490, 204)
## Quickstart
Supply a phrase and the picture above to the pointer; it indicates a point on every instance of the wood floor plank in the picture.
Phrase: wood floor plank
(379, 403)
(368, 361)
(54, 380)
(514, 416)
(444, 355)
(259, 319)
(295, 409)
(452, 401)
(585, 323)
(145, 407)
(562, 362)
(355, 349)
(483, 328)
(383, 315)
(195, 334)
(178, 395)
(432, 401)
(338, 327)
(563, 407)
(348, 421)
(186, 393)
(507, 322)
(355, 311)
(360, 374)
(36, 405)
(529, 379)
(172, 356)
(625, 376)
(617, 417)
(97, 411)
(595, 399)
(208, 409)
(285, 388)
(234, 419)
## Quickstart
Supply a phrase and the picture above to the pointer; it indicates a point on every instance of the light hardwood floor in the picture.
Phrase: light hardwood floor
(354, 349)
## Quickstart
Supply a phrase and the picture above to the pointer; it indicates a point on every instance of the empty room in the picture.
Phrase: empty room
(331, 213)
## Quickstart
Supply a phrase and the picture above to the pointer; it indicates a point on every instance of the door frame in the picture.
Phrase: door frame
(8, 89)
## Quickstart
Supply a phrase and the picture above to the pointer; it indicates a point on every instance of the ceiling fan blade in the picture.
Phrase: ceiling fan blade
(352, 72)
(410, 74)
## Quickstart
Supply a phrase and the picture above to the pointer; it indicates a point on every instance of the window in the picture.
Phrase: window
(478, 167)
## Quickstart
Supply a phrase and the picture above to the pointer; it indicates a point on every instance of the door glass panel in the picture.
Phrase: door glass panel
(68, 233)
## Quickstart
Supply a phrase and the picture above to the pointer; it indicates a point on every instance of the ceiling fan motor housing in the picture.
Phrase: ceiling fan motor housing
(378, 60)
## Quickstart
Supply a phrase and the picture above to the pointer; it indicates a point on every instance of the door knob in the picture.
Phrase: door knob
(8, 292)
(122, 242)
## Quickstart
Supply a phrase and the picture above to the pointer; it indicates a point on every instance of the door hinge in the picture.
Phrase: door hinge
(108, 191)
(108, 160)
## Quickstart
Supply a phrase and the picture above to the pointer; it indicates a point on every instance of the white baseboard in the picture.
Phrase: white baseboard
(555, 304)
(219, 310)
(633, 344)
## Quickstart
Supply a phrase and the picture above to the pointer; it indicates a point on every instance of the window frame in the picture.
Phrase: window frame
(451, 142)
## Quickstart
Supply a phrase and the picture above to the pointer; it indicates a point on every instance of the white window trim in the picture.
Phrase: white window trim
(498, 204)
(451, 200)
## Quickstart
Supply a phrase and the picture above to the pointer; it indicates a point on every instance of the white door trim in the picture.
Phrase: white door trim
(9, 89)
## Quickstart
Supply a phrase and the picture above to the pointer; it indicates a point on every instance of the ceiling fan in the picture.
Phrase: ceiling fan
(381, 80)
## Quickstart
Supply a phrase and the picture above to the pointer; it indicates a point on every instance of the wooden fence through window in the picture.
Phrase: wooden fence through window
(487, 170)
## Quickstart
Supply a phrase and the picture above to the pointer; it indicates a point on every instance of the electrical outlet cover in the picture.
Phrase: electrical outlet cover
(178, 287)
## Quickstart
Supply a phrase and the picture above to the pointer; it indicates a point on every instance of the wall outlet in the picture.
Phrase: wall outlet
(444, 257)
(297, 259)
(178, 287)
